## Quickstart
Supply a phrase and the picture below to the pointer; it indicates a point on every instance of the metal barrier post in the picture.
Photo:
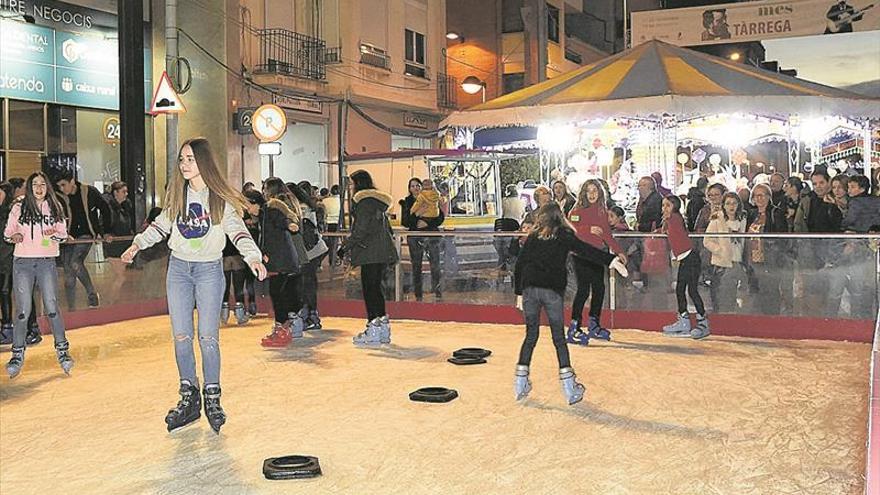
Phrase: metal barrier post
(398, 271)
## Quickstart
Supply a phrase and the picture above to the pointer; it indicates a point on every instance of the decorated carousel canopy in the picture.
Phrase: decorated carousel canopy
(656, 79)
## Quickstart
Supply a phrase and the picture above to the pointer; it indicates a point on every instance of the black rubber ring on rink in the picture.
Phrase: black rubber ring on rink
(291, 467)
(472, 351)
(465, 359)
(433, 394)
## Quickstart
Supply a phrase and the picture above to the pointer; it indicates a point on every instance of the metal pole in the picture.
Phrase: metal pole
(271, 165)
(171, 57)
(625, 26)
(867, 146)
(340, 161)
(398, 271)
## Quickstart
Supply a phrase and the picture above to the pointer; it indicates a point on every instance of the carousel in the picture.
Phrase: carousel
(660, 108)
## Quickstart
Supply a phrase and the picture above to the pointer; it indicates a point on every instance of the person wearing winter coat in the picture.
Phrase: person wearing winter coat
(371, 247)
(280, 219)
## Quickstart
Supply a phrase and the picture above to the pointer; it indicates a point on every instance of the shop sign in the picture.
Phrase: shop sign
(86, 53)
(41, 64)
(111, 130)
(60, 15)
(27, 81)
(86, 89)
(20, 41)
(754, 21)
(300, 104)
(415, 120)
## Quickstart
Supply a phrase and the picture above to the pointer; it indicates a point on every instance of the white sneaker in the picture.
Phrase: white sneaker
(618, 265)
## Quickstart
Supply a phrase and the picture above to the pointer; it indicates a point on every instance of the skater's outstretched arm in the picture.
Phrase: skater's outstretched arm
(156, 232)
(585, 251)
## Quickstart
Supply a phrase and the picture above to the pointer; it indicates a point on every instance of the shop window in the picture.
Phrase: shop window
(61, 123)
(22, 164)
(414, 53)
(552, 23)
(409, 143)
(511, 18)
(25, 126)
(513, 81)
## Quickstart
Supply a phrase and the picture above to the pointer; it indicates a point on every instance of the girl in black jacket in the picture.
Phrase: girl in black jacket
(540, 279)
(371, 247)
(279, 219)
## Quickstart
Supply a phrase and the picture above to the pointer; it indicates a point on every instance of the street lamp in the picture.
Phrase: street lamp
(473, 85)
(452, 35)
(735, 56)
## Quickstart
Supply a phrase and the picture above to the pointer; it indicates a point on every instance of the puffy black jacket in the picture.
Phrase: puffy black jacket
(276, 239)
(371, 239)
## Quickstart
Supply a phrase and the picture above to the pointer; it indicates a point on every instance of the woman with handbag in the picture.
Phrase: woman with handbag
(280, 220)
(316, 248)
(371, 247)
(688, 273)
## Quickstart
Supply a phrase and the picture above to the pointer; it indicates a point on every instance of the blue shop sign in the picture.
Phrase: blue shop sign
(27, 81)
(41, 64)
(19, 41)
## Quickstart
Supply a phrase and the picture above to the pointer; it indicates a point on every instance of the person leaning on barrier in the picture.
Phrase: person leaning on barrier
(768, 258)
(89, 217)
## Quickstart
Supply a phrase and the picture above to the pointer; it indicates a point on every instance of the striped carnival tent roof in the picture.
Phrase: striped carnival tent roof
(656, 78)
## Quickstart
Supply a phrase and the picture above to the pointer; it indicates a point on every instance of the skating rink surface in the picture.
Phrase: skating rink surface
(661, 415)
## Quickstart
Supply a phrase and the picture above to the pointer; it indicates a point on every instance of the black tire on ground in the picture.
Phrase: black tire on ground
(466, 360)
(291, 467)
(472, 351)
(433, 394)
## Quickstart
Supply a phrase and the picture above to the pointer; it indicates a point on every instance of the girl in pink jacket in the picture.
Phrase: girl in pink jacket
(36, 227)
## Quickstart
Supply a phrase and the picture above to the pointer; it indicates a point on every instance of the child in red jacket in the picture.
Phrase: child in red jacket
(688, 273)
(590, 220)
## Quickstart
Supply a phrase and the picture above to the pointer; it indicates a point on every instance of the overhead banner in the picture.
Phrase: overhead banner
(754, 21)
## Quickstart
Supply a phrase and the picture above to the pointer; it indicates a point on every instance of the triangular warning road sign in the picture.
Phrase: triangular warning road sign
(166, 100)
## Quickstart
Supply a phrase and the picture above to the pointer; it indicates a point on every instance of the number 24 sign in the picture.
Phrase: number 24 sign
(111, 130)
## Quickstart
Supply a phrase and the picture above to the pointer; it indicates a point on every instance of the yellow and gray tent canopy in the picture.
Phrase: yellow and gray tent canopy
(656, 78)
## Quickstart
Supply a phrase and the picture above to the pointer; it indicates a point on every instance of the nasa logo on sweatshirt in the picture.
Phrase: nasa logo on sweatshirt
(196, 223)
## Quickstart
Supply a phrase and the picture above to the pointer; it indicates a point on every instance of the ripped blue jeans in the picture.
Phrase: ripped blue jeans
(26, 274)
(196, 285)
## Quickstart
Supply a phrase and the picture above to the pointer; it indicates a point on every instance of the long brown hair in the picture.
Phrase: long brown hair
(550, 220)
(219, 191)
(276, 189)
(31, 213)
(583, 202)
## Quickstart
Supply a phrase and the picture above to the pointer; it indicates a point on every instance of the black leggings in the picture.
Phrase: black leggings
(688, 280)
(310, 283)
(371, 283)
(285, 290)
(235, 280)
(590, 278)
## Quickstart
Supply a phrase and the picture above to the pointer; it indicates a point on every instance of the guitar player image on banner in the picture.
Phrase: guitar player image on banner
(841, 16)
(715, 25)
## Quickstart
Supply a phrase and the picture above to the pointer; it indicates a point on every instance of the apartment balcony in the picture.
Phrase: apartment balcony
(446, 92)
(289, 53)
